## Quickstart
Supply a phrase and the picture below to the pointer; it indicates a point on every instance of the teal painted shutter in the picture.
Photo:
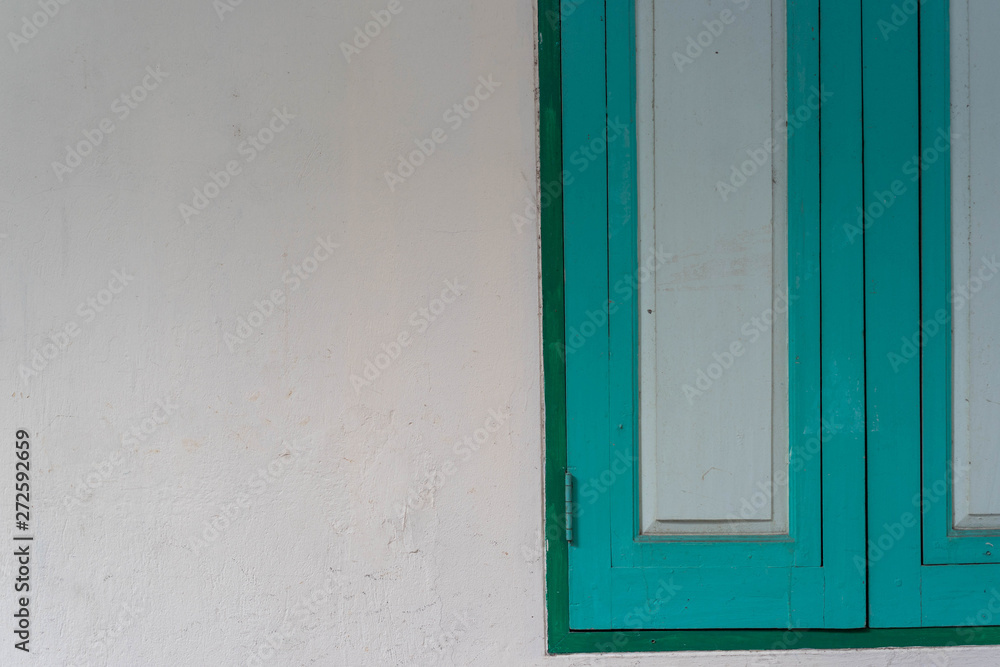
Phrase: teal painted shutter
(923, 572)
(813, 577)
(870, 256)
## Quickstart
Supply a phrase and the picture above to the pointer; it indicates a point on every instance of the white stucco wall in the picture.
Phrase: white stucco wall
(198, 470)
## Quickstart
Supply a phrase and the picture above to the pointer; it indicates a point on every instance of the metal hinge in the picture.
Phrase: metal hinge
(569, 507)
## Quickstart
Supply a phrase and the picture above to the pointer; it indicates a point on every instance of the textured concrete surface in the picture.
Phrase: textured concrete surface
(282, 381)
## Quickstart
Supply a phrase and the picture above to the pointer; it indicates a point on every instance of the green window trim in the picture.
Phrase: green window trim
(841, 125)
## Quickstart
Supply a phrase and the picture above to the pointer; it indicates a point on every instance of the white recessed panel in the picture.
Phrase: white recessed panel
(975, 91)
(713, 195)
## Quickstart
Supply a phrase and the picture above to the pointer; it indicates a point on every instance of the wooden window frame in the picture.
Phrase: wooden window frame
(837, 119)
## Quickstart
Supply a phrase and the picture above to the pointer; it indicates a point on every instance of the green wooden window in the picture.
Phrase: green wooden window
(766, 255)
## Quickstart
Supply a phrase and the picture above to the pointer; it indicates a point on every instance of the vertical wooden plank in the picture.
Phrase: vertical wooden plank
(622, 266)
(843, 330)
(585, 220)
(936, 280)
(892, 309)
(553, 321)
(802, 132)
(802, 129)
